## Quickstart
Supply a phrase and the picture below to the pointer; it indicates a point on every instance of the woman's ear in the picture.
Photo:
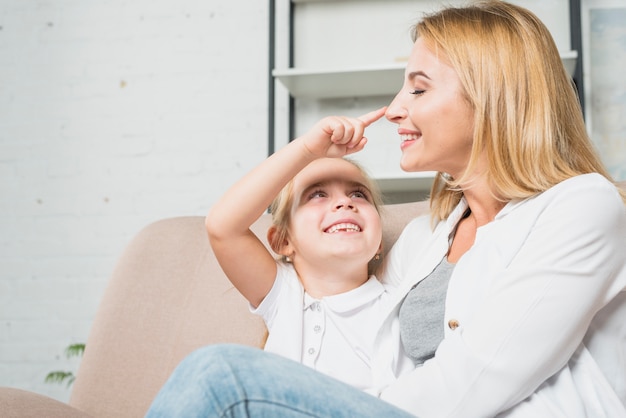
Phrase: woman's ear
(280, 245)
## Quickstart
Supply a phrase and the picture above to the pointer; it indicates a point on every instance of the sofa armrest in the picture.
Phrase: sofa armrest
(17, 403)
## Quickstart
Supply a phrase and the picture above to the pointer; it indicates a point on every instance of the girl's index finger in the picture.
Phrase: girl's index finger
(373, 116)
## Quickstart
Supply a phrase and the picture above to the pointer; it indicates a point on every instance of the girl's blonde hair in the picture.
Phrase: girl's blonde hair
(527, 117)
(282, 205)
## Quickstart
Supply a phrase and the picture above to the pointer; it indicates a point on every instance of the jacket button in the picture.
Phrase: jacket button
(453, 324)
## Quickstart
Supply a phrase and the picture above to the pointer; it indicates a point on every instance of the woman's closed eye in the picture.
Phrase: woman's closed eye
(418, 92)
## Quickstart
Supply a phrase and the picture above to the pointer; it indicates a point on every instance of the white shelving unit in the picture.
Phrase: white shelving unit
(341, 67)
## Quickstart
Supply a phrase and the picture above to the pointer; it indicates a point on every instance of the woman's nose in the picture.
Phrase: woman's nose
(395, 111)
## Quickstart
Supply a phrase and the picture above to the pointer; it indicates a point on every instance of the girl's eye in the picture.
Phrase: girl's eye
(418, 92)
(359, 194)
(317, 194)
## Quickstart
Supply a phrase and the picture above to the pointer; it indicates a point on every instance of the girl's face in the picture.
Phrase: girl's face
(333, 218)
(435, 121)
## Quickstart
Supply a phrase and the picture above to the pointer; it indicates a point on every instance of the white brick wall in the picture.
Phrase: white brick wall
(113, 114)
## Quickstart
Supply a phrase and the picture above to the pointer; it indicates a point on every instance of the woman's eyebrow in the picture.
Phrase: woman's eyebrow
(414, 74)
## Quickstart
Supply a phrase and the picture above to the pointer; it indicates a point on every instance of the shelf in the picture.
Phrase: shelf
(353, 82)
(359, 82)
(405, 182)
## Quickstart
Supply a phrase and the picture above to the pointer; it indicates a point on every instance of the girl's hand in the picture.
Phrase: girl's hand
(336, 136)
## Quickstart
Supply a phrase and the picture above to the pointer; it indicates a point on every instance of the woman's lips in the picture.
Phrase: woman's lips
(407, 139)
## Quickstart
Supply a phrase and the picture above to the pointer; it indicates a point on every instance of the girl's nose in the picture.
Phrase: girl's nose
(344, 202)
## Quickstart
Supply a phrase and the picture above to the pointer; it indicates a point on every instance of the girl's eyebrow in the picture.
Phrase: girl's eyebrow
(358, 184)
(313, 186)
(310, 188)
(321, 184)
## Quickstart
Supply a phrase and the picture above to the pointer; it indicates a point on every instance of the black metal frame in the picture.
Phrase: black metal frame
(271, 123)
(576, 43)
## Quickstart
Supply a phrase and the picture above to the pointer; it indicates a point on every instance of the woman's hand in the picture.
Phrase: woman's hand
(336, 136)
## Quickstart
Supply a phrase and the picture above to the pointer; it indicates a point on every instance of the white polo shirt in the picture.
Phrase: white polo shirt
(334, 334)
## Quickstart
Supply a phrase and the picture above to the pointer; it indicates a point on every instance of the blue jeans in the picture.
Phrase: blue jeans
(238, 381)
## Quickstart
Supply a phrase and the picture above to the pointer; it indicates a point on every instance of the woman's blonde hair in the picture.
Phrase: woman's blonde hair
(282, 206)
(527, 117)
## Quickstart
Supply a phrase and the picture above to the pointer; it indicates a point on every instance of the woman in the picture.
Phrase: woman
(512, 296)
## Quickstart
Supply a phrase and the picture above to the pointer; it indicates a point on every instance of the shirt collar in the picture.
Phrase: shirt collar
(458, 212)
(350, 300)
(456, 215)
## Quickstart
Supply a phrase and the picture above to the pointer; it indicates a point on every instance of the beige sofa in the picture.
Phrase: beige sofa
(166, 297)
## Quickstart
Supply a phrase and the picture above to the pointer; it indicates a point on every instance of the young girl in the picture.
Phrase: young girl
(320, 303)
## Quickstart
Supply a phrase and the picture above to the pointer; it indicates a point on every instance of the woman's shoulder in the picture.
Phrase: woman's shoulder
(589, 200)
(594, 180)
(588, 191)
(584, 190)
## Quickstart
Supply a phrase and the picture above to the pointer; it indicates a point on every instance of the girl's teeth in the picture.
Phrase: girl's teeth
(343, 227)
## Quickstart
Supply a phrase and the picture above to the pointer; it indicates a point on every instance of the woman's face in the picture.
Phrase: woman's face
(435, 121)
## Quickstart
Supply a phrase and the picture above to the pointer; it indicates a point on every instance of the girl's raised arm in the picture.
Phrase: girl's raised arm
(243, 257)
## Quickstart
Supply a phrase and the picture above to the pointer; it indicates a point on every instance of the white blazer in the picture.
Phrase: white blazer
(537, 310)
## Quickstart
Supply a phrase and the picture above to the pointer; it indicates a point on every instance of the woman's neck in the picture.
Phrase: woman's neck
(483, 205)
(483, 208)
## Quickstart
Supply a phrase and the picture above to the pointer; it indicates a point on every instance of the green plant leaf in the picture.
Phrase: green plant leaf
(74, 350)
(60, 377)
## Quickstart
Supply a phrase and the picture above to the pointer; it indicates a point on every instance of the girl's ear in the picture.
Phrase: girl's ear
(279, 245)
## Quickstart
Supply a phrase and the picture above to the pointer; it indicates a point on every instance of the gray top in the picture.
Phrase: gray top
(422, 313)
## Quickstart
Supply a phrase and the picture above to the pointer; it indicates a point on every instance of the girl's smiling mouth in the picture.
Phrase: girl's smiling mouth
(343, 227)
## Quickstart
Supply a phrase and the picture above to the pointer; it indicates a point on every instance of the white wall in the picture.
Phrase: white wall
(113, 114)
